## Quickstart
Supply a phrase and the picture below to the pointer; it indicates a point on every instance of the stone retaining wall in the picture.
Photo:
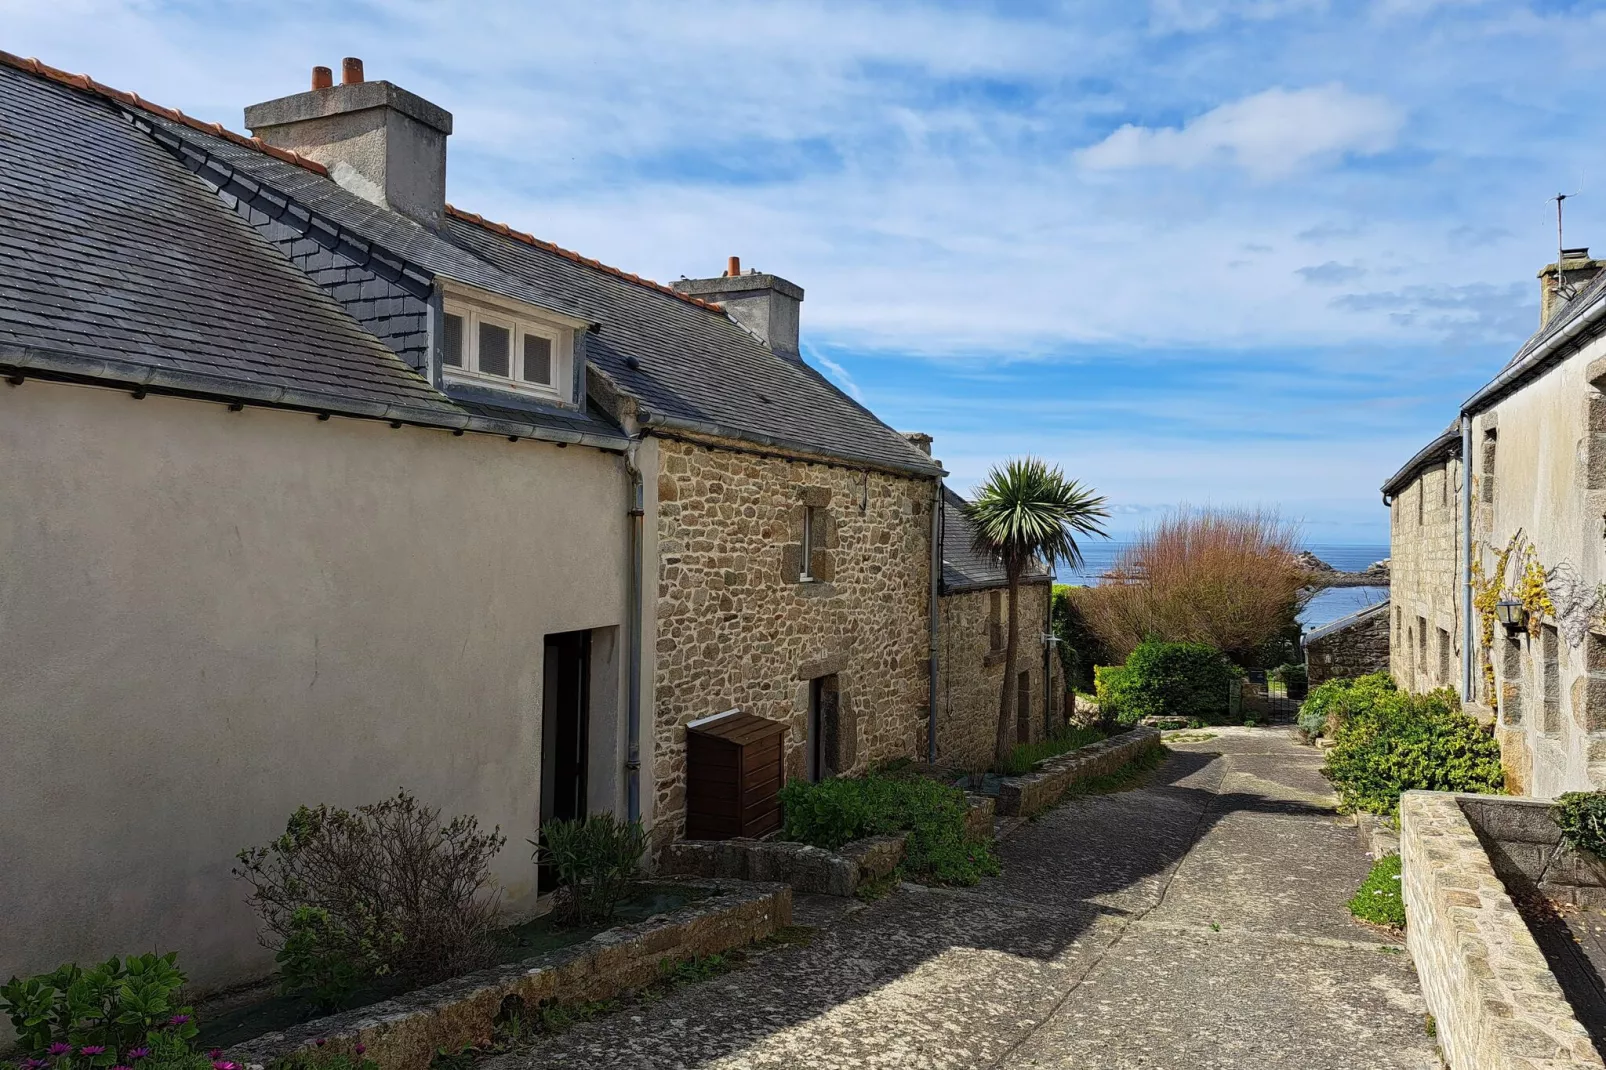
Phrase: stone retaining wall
(1024, 796)
(1496, 1004)
(1524, 845)
(802, 867)
(404, 1033)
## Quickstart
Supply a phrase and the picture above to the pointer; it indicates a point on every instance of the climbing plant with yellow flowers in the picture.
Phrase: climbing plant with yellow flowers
(1528, 587)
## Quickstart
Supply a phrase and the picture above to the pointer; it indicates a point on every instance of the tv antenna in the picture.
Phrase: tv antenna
(1565, 290)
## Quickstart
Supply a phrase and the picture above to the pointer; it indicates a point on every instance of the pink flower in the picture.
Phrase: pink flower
(92, 1049)
(215, 1053)
(178, 1019)
(361, 1048)
(320, 1042)
(59, 1048)
(137, 1054)
(221, 1065)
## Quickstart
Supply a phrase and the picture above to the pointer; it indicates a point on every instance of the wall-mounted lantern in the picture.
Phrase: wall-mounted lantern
(1510, 612)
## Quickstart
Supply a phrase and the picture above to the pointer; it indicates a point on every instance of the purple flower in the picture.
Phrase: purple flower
(59, 1048)
(215, 1053)
(92, 1049)
(361, 1048)
(137, 1054)
(320, 1042)
(178, 1019)
(221, 1065)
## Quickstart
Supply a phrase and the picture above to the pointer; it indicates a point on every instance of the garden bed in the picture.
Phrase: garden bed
(238, 1020)
(803, 867)
(405, 1032)
(1026, 795)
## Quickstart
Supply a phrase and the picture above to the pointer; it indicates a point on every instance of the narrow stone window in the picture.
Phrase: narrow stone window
(1511, 681)
(995, 621)
(1422, 645)
(804, 575)
(1486, 484)
(1550, 677)
(1023, 708)
(1421, 500)
(1444, 658)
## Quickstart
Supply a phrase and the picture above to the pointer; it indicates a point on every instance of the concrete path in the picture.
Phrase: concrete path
(1195, 922)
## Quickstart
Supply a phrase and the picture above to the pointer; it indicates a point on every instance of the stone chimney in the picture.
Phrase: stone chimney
(379, 141)
(919, 440)
(1577, 269)
(766, 305)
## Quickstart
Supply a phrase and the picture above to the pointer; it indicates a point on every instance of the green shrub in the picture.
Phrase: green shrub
(1400, 742)
(1582, 818)
(387, 890)
(1159, 679)
(1331, 703)
(1293, 677)
(115, 1006)
(1378, 899)
(1079, 648)
(834, 812)
(1068, 738)
(596, 860)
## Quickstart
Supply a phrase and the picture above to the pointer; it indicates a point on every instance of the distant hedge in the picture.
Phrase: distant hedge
(1189, 680)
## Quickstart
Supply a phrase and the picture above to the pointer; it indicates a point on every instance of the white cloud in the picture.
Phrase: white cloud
(1270, 134)
(836, 371)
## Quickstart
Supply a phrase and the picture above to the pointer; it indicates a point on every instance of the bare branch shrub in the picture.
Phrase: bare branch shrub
(385, 890)
(1228, 578)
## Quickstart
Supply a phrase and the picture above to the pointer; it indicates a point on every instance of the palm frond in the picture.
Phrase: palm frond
(1027, 509)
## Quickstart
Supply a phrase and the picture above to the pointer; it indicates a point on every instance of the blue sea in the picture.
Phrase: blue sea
(1099, 555)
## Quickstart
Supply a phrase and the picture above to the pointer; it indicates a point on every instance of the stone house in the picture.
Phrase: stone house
(318, 486)
(1353, 645)
(974, 614)
(1509, 506)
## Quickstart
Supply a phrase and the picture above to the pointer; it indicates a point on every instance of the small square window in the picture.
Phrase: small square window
(494, 347)
(537, 359)
(452, 341)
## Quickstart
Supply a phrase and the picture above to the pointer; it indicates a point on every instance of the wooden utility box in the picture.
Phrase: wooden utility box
(735, 766)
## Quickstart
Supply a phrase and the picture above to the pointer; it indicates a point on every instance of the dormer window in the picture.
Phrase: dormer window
(495, 347)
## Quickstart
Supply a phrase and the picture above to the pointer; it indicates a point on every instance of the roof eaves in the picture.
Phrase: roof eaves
(45, 363)
(1349, 620)
(653, 421)
(1447, 444)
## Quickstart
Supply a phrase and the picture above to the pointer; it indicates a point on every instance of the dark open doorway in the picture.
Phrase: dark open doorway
(825, 728)
(566, 709)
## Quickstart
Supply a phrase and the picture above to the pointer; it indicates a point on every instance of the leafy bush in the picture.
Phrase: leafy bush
(1582, 818)
(837, 811)
(1159, 679)
(1068, 738)
(1327, 707)
(114, 1007)
(596, 860)
(1079, 648)
(1378, 899)
(386, 890)
(1400, 742)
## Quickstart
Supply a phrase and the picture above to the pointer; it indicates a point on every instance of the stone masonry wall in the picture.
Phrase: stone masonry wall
(737, 629)
(1495, 1003)
(1361, 648)
(971, 673)
(1425, 628)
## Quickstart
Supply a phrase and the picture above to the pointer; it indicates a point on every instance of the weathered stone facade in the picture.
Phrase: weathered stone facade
(738, 625)
(1425, 610)
(971, 673)
(1351, 646)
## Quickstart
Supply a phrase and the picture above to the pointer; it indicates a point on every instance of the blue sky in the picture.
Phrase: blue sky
(1246, 253)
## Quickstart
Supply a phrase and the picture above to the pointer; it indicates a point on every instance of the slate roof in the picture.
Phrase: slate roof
(963, 569)
(110, 248)
(1349, 620)
(234, 306)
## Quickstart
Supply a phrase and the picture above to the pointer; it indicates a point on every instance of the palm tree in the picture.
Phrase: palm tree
(1028, 511)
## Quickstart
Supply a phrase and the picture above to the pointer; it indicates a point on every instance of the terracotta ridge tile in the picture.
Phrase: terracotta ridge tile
(134, 100)
(529, 239)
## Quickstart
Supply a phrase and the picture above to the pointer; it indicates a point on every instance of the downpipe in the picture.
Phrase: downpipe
(633, 670)
(1467, 651)
(933, 624)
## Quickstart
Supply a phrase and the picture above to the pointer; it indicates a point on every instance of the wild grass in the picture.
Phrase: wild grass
(1026, 755)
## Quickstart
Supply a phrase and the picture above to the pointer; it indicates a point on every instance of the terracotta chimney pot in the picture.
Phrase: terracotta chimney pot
(322, 78)
(735, 267)
(350, 70)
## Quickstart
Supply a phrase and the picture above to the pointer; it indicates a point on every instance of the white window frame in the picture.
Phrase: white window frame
(517, 326)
